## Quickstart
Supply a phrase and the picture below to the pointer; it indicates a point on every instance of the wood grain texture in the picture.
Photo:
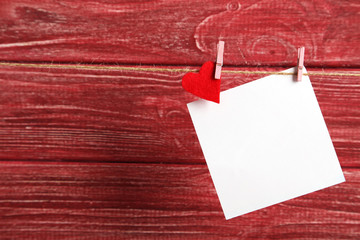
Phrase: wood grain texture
(127, 116)
(133, 201)
(109, 154)
(171, 32)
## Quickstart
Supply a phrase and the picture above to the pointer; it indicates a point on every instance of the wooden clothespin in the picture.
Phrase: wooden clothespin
(301, 54)
(219, 59)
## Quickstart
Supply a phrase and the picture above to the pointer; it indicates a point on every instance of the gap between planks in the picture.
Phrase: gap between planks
(110, 163)
(160, 68)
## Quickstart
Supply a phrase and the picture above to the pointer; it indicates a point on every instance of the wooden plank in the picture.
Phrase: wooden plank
(135, 201)
(132, 116)
(169, 32)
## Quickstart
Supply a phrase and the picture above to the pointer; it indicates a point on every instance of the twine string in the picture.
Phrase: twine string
(157, 69)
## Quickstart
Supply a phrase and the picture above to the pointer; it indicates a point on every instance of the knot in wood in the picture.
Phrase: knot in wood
(233, 6)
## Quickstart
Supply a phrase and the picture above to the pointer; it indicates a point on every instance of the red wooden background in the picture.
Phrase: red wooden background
(112, 154)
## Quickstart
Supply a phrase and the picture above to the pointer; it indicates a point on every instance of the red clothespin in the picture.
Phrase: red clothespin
(301, 54)
(219, 59)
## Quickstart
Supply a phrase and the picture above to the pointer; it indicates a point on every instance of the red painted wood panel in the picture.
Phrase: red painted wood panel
(155, 201)
(132, 116)
(137, 170)
(171, 32)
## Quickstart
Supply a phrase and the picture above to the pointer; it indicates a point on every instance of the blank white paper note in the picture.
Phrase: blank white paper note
(265, 143)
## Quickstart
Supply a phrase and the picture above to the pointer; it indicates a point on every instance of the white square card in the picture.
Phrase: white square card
(265, 143)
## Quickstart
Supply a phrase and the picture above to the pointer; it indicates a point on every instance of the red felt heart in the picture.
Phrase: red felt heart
(203, 84)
